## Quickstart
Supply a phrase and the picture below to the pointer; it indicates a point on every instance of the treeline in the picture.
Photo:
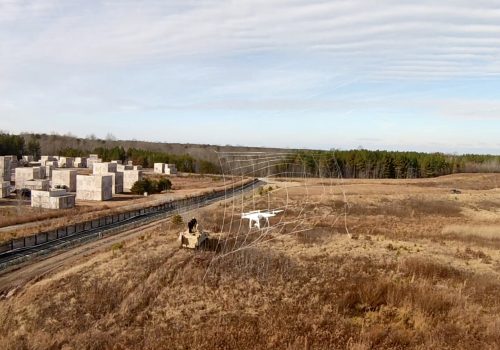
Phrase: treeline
(385, 164)
(200, 158)
(15, 145)
(52, 143)
(29, 144)
(184, 163)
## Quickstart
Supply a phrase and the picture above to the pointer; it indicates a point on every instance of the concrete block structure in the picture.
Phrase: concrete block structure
(159, 168)
(94, 187)
(5, 190)
(26, 174)
(162, 168)
(120, 167)
(109, 168)
(117, 182)
(39, 184)
(103, 168)
(5, 169)
(137, 167)
(66, 162)
(64, 177)
(170, 169)
(130, 177)
(48, 171)
(14, 163)
(44, 159)
(80, 162)
(52, 163)
(28, 159)
(92, 161)
(53, 199)
(116, 161)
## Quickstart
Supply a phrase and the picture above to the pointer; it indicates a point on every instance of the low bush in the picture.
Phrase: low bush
(151, 186)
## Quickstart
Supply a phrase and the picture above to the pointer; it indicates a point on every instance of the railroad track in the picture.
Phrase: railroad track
(20, 255)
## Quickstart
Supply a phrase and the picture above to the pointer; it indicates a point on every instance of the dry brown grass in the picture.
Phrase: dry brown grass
(409, 207)
(315, 289)
(486, 232)
(165, 301)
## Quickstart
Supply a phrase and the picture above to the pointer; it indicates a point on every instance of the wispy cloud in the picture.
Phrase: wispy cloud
(338, 58)
(383, 37)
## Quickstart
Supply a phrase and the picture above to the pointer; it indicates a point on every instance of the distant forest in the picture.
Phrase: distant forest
(365, 164)
(204, 158)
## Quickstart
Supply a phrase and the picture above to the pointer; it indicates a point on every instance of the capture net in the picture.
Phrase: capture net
(272, 194)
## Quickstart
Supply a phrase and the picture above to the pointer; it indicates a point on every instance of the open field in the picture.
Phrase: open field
(357, 264)
(18, 218)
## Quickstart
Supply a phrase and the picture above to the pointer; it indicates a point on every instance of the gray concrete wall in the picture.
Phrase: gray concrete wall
(121, 167)
(94, 187)
(42, 185)
(104, 168)
(26, 174)
(5, 191)
(162, 168)
(159, 168)
(65, 178)
(5, 169)
(80, 162)
(117, 182)
(48, 171)
(130, 177)
(44, 159)
(52, 199)
(66, 162)
(170, 169)
(92, 161)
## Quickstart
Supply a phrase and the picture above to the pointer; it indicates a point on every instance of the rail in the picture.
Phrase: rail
(23, 248)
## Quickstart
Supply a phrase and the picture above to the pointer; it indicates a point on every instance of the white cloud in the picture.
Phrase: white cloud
(375, 36)
(72, 58)
(470, 109)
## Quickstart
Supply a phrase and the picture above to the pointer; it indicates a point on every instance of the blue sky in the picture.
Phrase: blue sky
(317, 74)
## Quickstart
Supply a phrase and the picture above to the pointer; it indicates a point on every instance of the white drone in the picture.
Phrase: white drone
(256, 216)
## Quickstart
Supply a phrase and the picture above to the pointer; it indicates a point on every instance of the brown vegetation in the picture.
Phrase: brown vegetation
(409, 281)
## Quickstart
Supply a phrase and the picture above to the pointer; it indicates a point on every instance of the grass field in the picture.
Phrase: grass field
(400, 264)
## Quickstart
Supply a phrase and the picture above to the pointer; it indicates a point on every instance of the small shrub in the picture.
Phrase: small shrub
(390, 247)
(151, 186)
(177, 220)
(142, 186)
(164, 184)
(117, 246)
(426, 268)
